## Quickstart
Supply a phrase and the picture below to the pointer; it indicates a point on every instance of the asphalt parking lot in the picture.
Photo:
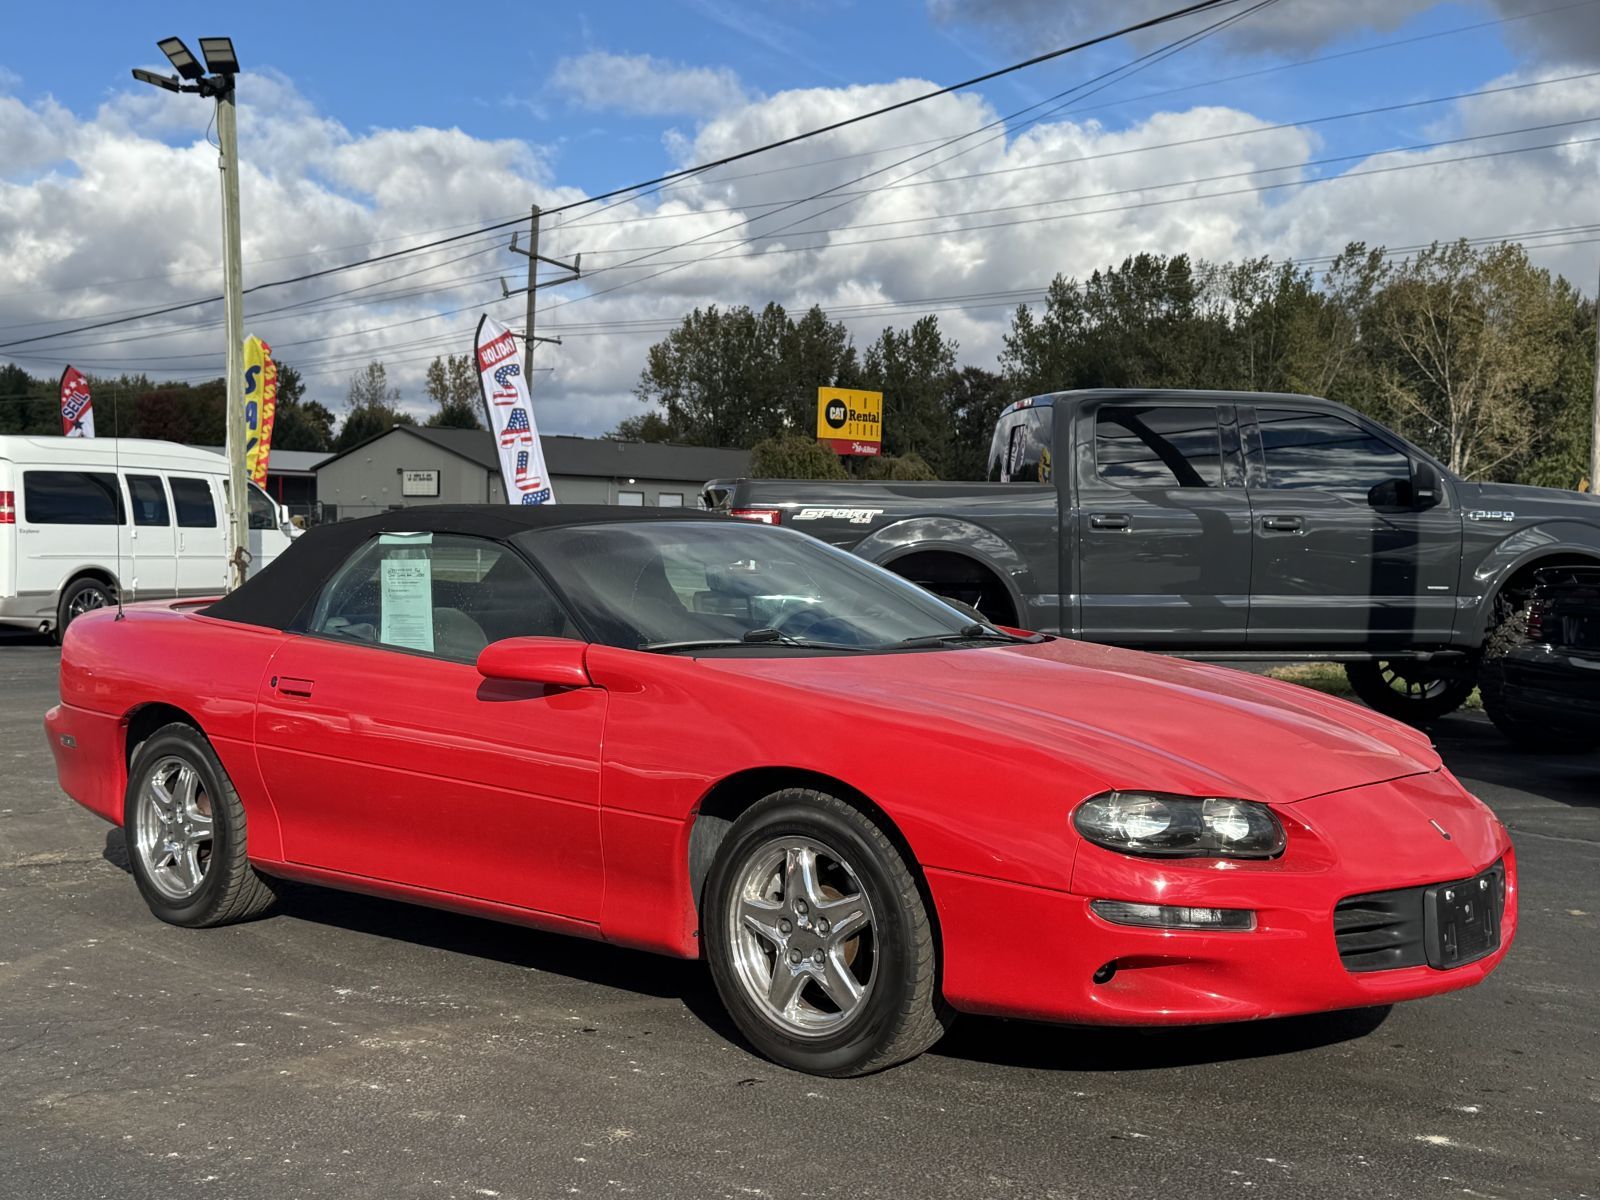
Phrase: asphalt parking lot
(358, 1048)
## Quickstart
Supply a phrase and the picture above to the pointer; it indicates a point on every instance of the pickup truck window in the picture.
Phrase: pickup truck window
(1318, 450)
(1020, 451)
(1158, 446)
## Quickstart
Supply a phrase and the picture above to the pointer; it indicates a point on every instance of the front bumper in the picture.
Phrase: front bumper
(1021, 951)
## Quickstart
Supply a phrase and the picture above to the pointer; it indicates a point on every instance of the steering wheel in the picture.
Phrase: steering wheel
(814, 626)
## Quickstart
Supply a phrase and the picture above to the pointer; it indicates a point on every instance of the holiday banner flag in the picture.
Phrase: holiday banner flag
(77, 410)
(505, 395)
(260, 407)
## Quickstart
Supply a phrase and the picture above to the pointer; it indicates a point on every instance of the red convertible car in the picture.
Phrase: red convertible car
(702, 737)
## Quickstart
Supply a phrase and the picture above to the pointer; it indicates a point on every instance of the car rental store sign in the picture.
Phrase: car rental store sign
(850, 421)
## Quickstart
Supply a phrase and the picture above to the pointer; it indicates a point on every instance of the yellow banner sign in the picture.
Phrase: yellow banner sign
(850, 420)
(260, 407)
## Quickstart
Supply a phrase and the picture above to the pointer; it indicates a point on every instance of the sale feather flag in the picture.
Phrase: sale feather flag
(77, 409)
(505, 395)
(260, 407)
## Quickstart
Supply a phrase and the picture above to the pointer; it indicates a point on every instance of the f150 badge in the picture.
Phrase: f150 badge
(1490, 514)
(856, 516)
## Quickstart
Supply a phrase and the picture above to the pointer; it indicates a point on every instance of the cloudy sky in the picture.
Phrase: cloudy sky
(1286, 132)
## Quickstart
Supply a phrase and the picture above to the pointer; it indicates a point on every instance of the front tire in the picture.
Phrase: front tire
(185, 829)
(1521, 732)
(819, 939)
(1407, 690)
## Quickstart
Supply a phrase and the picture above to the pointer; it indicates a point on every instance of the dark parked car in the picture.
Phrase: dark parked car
(1541, 669)
(1222, 525)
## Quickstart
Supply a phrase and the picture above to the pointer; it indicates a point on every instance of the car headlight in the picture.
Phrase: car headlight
(1169, 826)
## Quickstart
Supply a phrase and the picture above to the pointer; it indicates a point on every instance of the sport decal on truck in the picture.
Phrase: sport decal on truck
(856, 516)
(1490, 514)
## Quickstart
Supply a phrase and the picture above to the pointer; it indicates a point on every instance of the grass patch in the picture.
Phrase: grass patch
(1330, 679)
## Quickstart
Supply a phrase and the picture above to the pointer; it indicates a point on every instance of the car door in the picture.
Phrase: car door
(1162, 525)
(154, 540)
(1337, 562)
(202, 555)
(389, 757)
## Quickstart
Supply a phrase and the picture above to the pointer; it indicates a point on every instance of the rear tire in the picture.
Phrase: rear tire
(819, 940)
(81, 596)
(185, 829)
(1521, 732)
(1406, 690)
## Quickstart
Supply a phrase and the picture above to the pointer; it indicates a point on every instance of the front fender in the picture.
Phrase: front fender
(1546, 539)
(951, 535)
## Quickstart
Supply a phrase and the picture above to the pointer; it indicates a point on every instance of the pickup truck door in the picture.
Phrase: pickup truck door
(1332, 567)
(1162, 525)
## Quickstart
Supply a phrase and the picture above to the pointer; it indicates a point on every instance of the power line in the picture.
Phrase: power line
(1153, 22)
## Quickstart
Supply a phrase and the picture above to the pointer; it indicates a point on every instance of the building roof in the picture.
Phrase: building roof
(601, 458)
(286, 462)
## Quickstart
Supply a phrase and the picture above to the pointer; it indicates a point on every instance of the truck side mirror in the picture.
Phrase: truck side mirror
(1425, 489)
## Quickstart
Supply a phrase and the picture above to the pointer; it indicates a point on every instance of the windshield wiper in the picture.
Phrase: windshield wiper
(974, 632)
(756, 637)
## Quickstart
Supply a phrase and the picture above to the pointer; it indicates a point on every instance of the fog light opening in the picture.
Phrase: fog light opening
(1174, 916)
(1104, 974)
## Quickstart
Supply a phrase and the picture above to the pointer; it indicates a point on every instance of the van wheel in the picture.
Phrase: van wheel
(1408, 691)
(81, 596)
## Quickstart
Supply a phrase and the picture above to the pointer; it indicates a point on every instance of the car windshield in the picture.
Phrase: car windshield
(670, 585)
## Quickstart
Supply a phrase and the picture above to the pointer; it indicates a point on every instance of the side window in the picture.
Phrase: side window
(1319, 450)
(1020, 452)
(149, 500)
(439, 594)
(71, 498)
(192, 499)
(1158, 446)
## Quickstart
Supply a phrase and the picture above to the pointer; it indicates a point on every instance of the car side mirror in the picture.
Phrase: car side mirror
(554, 662)
(1391, 493)
(1426, 491)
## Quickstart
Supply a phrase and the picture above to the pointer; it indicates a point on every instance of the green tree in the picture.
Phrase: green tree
(372, 406)
(299, 424)
(452, 383)
(913, 369)
(794, 456)
(900, 468)
(974, 399)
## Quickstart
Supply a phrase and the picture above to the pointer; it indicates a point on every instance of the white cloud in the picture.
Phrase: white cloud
(644, 85)
(99, 214)
(1556, 33)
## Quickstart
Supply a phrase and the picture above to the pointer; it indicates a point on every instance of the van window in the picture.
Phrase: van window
(71, 498)
(149, 500)
(263, 512)
(192, 499)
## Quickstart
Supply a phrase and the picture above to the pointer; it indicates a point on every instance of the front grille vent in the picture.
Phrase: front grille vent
(1382, 930)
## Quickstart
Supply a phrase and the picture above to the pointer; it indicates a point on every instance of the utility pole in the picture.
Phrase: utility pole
(531, 253)
(1594, 443)
(233, 321)
(223, 64)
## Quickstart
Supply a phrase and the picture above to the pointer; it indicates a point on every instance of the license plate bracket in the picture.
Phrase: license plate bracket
(1462, 919)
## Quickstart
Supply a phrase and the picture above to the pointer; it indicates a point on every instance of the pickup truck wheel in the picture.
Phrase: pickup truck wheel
(1407, 691)
(1492, 686)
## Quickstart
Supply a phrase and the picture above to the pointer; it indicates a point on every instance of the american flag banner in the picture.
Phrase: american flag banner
(510, 410)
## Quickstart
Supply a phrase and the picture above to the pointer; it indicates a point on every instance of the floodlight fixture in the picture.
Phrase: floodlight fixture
(178, 54)
(219, 55)
(170, 82)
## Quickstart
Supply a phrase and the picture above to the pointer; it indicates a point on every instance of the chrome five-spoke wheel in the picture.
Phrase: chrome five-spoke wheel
(803, 939)
(173, 829)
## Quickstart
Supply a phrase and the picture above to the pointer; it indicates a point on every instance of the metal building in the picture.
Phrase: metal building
(413, 464)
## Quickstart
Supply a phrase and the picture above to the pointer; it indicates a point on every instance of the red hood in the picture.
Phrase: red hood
(1132, 720)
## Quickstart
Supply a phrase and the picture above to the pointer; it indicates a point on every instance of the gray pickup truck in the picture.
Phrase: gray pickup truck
(1217, 525)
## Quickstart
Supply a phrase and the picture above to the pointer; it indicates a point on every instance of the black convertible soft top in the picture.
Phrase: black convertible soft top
(276, 596)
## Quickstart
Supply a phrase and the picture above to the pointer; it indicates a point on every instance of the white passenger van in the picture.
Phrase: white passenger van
(84, 519)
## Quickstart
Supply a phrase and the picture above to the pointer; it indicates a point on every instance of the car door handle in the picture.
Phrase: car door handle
(289, 685)
(1283, 524)
(1109, 521)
